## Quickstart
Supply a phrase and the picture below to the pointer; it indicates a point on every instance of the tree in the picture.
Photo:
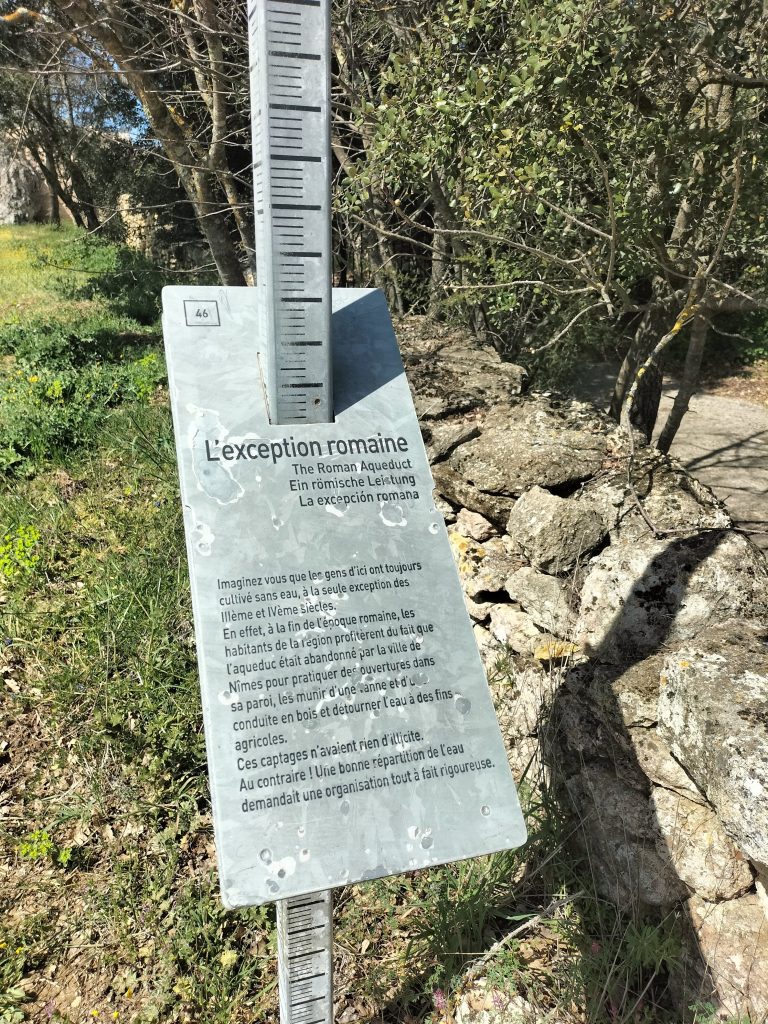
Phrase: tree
(185, 63)
(548, 169)
(566, 165)
(67, 120)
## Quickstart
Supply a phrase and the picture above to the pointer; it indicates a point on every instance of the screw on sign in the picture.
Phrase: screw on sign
(349, 729)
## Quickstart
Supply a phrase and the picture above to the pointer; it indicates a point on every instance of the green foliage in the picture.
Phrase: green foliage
(45, 412)
(76, 349)
(459, 912)
(576, 158)
(12, 995)
(53, 342)
(707, 1013)
(38, 846)
(95, 267)
(18, 554)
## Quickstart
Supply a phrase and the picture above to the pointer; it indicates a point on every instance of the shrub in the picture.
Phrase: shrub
(94, 267)
(50, 410)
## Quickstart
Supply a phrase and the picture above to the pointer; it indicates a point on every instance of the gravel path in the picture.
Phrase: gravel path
(722, 441)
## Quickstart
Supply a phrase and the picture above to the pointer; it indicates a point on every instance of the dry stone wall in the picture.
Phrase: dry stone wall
(639, 659)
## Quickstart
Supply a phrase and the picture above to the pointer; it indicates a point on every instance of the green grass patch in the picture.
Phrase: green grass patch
(78, 338)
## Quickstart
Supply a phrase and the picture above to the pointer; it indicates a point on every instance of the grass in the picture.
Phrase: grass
(110, 902)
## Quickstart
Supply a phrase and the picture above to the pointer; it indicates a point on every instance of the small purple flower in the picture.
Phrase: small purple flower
(50, 1009)
(438, 997)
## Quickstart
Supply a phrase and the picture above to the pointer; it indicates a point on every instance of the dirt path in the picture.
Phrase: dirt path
(723, 441)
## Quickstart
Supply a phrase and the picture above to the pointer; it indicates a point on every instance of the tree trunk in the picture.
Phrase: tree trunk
(645, 407)
(219, 240)
(82, 190)
(54, 211)
(46, 161)
(181, 146)
(699, 330)
(439, 273)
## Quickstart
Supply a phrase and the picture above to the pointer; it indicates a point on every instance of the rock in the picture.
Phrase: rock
(641, 595)
(619, 832)
(483, 568)
(671, 498)
(473, 525)
(633, 694)
(713, 712)
(442, 438)
(446, 511)
(523, 705)
(478, 610)
(525, 446)
(698, 847)
(657, 763)
(602, 703)
(545, 599)
(486, 1004)
(488, 648)
(554, 533)
(458, 491)
(761, 888)
(452, 374)
(733, 942)
(515, 629)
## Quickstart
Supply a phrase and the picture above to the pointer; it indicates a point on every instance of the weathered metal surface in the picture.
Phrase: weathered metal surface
(349, 726)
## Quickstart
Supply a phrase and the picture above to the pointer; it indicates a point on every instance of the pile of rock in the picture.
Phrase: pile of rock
(638, 656)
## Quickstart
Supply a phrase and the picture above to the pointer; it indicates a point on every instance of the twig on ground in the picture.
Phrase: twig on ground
(526, 926)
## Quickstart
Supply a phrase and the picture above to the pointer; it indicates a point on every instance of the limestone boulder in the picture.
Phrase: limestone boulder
(515, 629)
(457, 490)
(713, 712)
(655, 760)
(555, 533)
(761, 886)
(485, 1004)
(703, 856)
(619, 832)
(442, 438)
(546, 600)
(732, 939)
(528, 445)
(488, 648)
(446, 510)
(483, 568)
(672, 500)
(640, 595)
(451, 374)
(523, 695)
(473, 525)
(478, 610)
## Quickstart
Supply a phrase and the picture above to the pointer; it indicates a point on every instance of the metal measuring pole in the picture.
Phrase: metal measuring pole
(290, 113)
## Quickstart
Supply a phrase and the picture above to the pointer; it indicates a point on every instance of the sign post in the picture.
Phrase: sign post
(349, 728)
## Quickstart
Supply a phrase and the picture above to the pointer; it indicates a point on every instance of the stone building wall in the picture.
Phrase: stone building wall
(23, 195)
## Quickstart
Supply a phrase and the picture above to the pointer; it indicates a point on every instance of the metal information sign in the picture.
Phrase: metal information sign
(349, 726)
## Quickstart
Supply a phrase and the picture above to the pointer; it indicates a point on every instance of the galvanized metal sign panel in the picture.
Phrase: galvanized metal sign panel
(349, 728)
